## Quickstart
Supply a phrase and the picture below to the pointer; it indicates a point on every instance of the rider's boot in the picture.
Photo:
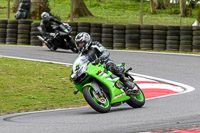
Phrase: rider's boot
(130, 87)
(119, 71)
(126, 82)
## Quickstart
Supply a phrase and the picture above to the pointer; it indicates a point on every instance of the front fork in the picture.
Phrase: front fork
(95, 86)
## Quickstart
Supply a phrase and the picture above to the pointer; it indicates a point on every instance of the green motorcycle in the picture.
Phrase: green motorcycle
(101, 88)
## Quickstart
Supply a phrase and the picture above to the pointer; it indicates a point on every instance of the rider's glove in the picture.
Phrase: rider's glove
(63, 34)
(66, 24)
(52, 34)
(95, 62)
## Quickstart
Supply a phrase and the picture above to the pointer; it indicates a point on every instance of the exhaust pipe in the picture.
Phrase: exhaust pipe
(41, 39)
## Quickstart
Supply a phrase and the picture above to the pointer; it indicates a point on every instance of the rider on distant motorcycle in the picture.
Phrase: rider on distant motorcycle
(99, 54)
(46, 24)
(49, 32)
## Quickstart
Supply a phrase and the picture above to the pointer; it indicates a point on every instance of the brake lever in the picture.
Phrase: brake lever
(129, 69)
(128, 75)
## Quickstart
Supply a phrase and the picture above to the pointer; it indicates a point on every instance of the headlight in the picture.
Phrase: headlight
(82, 70)
(73, 76)
(79, 72)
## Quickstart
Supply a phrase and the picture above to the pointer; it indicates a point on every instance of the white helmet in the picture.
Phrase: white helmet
(45, 16)
(83, 37)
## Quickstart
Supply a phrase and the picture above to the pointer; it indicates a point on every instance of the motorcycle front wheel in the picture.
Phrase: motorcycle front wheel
(136, 101)
(75, 50)
(100, 104)
(52, 48)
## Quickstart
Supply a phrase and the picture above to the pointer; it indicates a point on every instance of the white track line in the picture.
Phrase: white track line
(165, 53)
(164, 86)
(69, 64)
(186, 88)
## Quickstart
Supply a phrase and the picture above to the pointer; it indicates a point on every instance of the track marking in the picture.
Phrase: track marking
(185, 130)
(164, 53)
(138, 77)
(47, 61)
(186, 88)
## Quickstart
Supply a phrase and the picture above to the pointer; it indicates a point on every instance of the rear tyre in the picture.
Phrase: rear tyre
(136, 101)
(100, 105)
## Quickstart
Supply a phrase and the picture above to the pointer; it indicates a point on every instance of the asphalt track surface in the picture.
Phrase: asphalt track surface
(173, 112)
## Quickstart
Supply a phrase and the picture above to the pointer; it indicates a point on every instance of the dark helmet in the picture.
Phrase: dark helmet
(45, 16)
(83, 38)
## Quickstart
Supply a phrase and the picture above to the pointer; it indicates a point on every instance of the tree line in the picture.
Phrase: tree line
(184, 10)
(79, 8)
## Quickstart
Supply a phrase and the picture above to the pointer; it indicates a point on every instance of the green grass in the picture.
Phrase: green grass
(116, 11)
(31, 86)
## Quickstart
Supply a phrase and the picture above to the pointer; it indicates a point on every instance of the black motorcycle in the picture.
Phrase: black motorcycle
(61, 38)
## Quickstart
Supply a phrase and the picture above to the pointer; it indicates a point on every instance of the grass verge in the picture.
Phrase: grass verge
(31, 86)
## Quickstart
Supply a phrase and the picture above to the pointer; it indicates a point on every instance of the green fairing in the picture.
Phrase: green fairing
(116, 95)
(124, 67)
(101, 88)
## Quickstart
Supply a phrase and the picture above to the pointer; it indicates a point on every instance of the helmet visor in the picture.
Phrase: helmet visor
(45, 18)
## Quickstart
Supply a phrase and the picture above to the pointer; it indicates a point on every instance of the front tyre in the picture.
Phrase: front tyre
(53, 48)
(74, 49)
(136, 101)
(100, 104)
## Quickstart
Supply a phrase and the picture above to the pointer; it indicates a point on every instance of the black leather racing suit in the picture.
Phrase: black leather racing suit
(97, 52)
(47, 29)
(47, 25)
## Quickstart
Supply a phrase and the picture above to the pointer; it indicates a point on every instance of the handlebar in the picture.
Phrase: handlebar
(128, 75)
(56, 35)
(129, 69)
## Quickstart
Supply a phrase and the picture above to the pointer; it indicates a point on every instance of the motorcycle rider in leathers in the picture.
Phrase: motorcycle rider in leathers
(49, 32)
(99, 54)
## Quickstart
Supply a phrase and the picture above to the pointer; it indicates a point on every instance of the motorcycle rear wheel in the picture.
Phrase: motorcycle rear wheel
(136, 101)
(94, 102)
